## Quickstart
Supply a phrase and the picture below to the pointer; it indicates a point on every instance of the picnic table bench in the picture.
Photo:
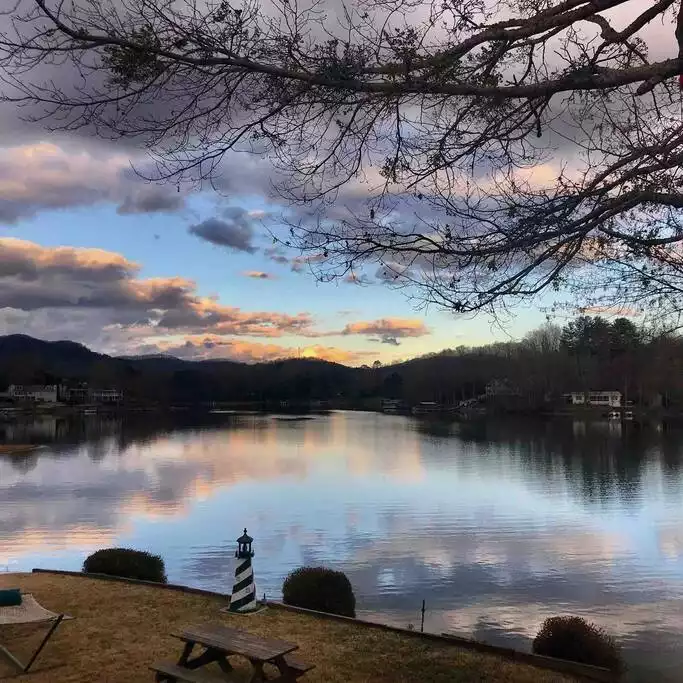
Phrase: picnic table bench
(221, 642)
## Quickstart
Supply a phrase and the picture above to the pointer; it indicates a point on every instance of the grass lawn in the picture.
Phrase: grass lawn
(120, 629)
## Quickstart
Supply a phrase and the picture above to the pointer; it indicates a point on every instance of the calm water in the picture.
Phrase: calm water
(496, 525)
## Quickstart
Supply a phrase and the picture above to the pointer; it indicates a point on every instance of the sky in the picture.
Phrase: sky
(91, 252)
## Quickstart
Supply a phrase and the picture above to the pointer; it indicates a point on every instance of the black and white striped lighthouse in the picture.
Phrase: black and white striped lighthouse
(243, 597)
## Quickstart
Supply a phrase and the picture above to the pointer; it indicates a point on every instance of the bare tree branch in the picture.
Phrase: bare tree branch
(507, 148)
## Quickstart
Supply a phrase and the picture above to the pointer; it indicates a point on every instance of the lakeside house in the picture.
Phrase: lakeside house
(74, 393)
(426, 407)
(59, 393)
(610, 399)
(106, 396)
(47, 393)
(392, 405)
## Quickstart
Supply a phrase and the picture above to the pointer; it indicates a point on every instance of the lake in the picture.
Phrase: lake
(496, 524)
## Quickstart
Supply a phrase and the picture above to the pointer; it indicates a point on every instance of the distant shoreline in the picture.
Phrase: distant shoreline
(17, 448)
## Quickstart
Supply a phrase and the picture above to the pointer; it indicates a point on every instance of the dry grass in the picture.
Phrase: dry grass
(120, 629)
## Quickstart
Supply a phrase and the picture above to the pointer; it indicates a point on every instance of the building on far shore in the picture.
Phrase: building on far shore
(611, 399)
(41, 393)
(106, 396)
(61, 393)
(391, 405)
(74, 394)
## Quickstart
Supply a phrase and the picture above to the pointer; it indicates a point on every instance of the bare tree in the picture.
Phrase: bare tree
(507, 147)
(545, 339)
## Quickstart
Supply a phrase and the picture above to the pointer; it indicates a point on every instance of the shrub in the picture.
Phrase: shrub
(321, 589)
(577, 640)
(131, 564)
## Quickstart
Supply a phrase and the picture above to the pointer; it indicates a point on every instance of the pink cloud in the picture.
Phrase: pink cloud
(34, 277)
(43, 176)
(258, 275)
(399, 327)
(215, 347)
(388, 330)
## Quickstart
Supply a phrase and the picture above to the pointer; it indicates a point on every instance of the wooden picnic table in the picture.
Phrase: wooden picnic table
(221, 642)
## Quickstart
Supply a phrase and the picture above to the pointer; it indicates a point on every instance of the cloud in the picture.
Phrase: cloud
(34, 278)
(257, 213)
(356, 279)
(201, 314)
(212, 347)
(258, 275)
(43, 176)
(392, 272)
(301, 263)
(388, 330)
(298, 264)
(618, 311)
(27, 260)
(235, 231)
(276, 255)
(387, 339)
(153, 199)
(97, 297)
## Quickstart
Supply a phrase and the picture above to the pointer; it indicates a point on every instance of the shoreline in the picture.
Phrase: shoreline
(18, 448)
(299, 413)
(343, 649)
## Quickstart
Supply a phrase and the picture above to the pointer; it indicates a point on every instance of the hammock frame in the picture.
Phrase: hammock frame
(29, 612)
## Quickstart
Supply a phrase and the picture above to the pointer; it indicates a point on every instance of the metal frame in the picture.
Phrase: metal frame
(24, 668)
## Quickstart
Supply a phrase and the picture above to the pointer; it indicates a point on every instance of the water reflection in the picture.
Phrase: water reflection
(497, 524)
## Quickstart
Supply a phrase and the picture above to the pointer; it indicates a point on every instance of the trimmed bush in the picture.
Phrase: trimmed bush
(577, 640)
(321, 589)
(130, 564)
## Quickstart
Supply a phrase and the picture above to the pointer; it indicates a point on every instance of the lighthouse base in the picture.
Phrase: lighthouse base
(257, 609)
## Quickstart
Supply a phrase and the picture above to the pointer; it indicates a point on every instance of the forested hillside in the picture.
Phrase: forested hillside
(588, 353)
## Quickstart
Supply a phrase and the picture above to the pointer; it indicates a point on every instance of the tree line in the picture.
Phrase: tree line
(588, 353)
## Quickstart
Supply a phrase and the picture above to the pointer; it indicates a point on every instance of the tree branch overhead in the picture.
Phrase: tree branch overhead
(506, 148)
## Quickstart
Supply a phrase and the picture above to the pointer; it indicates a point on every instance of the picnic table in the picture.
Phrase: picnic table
(219, 643)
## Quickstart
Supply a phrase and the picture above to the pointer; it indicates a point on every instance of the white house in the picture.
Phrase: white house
(106, 395)
(611, 399)
(605, 398)
(43, 393)
(74, 394)
(576, 398)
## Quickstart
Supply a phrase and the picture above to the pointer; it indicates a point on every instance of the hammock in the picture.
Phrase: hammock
(29, 612)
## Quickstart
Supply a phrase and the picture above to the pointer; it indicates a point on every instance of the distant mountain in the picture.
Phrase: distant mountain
(157, 361)
(162, 379)
(536, 371)
(146, 356)
(17, 344)
(165, 378)
(25, 358)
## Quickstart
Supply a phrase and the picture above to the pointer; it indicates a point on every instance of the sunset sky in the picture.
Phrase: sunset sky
(91, 252)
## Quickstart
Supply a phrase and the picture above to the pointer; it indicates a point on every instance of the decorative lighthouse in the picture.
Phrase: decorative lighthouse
(243, 597)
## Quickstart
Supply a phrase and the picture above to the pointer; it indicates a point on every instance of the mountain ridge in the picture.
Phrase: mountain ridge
(24, 343)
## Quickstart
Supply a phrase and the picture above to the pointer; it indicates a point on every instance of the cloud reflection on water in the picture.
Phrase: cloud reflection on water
(497, 525)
